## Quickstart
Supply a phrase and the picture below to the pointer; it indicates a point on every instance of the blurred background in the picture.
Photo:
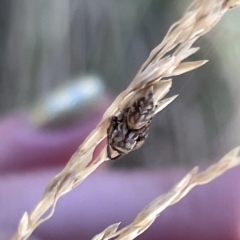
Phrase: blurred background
(49, 44)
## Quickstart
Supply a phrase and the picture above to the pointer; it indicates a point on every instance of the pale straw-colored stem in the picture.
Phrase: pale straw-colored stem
(148, 215)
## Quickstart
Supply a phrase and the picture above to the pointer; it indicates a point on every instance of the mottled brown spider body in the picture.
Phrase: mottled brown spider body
(129, 129)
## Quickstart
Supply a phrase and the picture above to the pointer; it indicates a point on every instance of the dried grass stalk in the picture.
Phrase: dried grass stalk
(200, 18)
(148, 215)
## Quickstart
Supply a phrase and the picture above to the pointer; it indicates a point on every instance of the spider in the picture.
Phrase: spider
(129, 129)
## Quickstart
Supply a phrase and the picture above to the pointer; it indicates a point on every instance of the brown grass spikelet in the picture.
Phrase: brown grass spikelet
(165, 61)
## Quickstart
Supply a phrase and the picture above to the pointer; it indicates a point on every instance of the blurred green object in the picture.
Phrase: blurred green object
(68, 101)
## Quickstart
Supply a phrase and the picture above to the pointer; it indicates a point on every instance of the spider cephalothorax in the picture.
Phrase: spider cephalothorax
(129, 129)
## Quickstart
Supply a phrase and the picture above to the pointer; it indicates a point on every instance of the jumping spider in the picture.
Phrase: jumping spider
(129, 129)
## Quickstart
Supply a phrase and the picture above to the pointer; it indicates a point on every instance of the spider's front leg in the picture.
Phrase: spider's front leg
(109, 154)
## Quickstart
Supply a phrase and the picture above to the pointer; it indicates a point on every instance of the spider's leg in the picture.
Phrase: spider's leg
(118, 150)
(109, 152)
(109, 155)
(142, 137)
(118, 156)
(143, 134)
(138, 144)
